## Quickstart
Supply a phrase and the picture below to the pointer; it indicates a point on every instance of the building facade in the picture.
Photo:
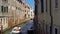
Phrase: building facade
(11, 12)
(47, 13)
(31, 13)
(27, 9)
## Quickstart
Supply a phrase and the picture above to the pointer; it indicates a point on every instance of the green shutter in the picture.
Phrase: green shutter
(7, 9)
(1, 8)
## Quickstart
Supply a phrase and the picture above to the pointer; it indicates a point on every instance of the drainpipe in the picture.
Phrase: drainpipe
(51, 27)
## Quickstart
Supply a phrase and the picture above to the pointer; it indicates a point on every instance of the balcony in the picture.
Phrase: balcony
(5, 14)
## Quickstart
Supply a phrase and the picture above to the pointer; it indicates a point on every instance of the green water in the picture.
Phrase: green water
(9, 30)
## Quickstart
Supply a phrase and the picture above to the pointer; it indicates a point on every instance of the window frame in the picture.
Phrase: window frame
(42, 6)
(56, 3)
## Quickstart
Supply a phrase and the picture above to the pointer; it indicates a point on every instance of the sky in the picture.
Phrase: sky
(30, 2)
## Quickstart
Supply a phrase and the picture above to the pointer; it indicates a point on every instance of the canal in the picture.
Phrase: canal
(9, 30)
(24, 26)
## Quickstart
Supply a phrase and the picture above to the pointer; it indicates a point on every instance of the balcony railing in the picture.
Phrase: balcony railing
(5, 14)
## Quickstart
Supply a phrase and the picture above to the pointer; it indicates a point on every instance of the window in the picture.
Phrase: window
(4, 21)
(4, 9)
(19, 8)
(50, 29)
(25, 15)
(19, 1)
(42, 6)
(5, 0)
(56, 3)
(29, 16)
(55, 30)
(25, 10)
(25, 6)
(16, 7)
